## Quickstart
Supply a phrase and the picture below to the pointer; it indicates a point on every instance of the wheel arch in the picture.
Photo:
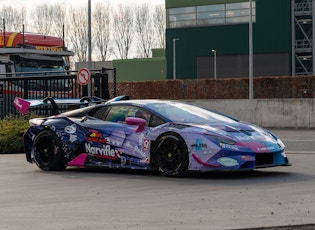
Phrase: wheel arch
(38, 156)
(155, 142)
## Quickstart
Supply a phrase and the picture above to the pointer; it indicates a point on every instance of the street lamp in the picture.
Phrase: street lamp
(174, 57)
(89, 45)
(215, 63)
(250, 68)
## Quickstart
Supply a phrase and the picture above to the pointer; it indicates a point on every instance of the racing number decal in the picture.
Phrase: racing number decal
(146, 144)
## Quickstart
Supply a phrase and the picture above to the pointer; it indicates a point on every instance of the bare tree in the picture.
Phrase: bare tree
(160, 25)
(43, 18)
(102, 30)
(144, 29)
(114, 28)
(58, 22)
(14, 17)
(123, 28)
(78, 34)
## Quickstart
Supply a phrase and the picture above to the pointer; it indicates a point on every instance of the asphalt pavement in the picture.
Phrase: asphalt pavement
(296, 140)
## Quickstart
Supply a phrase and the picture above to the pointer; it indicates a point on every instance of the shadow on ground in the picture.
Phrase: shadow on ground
(289, 227)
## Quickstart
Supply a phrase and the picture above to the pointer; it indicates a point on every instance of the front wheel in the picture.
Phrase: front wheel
(48, 152)
(171, 155)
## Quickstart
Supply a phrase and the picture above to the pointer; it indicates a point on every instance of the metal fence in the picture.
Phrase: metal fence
(62, 85)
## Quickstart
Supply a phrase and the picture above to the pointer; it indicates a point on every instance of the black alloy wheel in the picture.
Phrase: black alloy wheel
(48, 152)
(171, 155)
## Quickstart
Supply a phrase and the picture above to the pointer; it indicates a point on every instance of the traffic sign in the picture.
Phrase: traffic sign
(84, 76)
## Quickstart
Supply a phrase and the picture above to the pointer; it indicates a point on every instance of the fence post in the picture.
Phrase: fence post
(105, 86)
(115, 82)
(25, 89)
(97, 84)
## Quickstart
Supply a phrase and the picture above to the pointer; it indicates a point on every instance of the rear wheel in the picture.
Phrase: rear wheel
(171, 155)
(48, 152)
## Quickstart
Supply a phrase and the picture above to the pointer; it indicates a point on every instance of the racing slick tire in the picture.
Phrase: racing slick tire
(171, 155)
(47, 151)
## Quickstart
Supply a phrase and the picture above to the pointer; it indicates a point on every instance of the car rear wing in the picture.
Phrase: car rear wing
(23, 105)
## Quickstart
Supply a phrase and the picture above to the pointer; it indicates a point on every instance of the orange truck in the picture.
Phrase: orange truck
(44, 59)
(30, 53)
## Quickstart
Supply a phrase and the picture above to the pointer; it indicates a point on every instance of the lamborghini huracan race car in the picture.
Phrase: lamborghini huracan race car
(171, 137)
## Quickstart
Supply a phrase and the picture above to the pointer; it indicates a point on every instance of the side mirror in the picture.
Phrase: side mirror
(136, 121)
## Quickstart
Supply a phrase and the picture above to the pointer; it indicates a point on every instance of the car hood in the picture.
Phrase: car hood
(237, 131)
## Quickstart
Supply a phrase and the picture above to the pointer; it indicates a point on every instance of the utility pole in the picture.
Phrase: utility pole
(89, 46)
(215, 63)
(251, 82)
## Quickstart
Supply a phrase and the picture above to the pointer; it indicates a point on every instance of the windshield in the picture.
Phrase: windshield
(37, 64)
(179, 112)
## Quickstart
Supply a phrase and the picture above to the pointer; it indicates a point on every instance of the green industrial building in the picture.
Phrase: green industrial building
(142, 69)
(210, 38)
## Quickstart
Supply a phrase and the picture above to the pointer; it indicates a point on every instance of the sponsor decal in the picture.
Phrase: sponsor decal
(227, 161)
(243, 138)
(71, 129)
(138, 151)
(265, 149)
(73, 138)
(123, 160)
(246, 158)
(227, 146)
(104, 152)
(21, 105)
(199, 145)
(45, 48)
(146, 160)
(97, 137)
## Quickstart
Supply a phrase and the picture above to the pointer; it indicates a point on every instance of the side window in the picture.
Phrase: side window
(117, 114)
(151, 119)
(5, 70)
(8, 70)
(100, 113)
(2, 70)
(138, 112)
(156, 121)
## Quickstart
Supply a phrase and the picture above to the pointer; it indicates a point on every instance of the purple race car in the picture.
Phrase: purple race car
(171, 137)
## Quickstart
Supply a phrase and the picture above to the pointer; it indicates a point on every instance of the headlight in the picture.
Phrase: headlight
(222, 140)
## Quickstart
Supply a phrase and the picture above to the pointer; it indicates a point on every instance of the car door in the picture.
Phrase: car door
(117, 143)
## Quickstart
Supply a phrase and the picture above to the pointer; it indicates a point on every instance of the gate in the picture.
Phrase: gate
(61, 85)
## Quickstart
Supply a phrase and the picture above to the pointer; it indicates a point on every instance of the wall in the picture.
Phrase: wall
(141, 69)
(233, 88)
(279, 101)
(277, 113)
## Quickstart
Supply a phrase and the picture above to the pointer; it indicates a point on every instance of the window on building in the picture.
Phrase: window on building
(209, 15)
